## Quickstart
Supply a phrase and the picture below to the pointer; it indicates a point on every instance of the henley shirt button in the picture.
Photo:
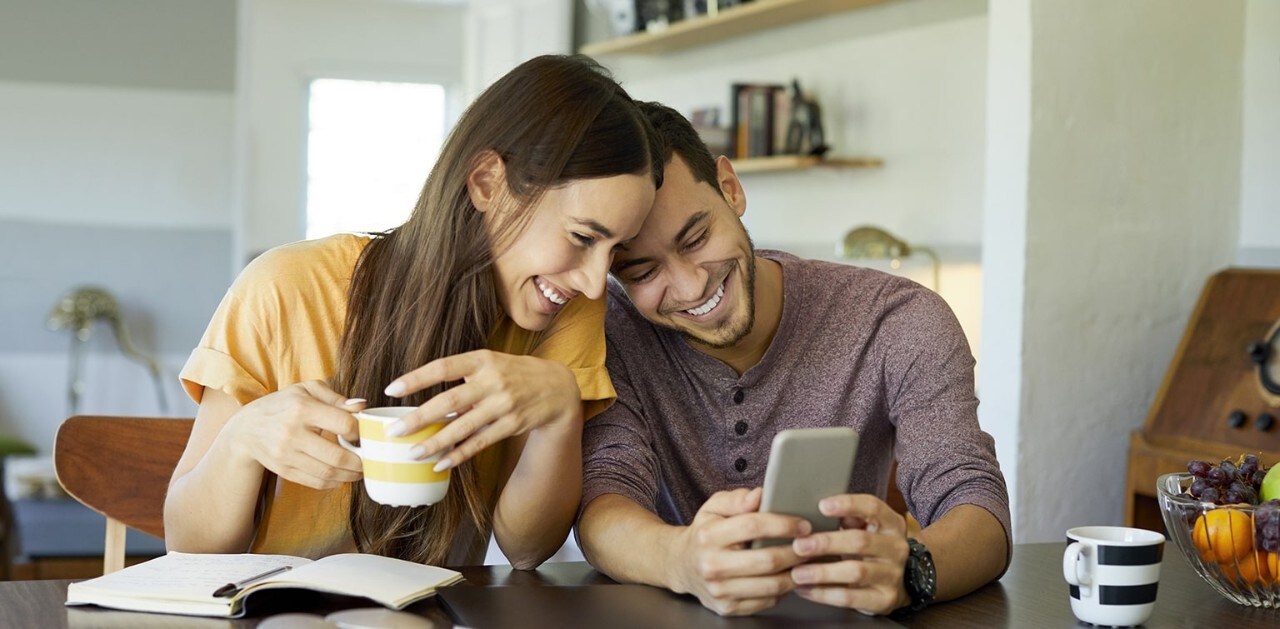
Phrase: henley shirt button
(741, 429)
(738, 396)
(740, 464)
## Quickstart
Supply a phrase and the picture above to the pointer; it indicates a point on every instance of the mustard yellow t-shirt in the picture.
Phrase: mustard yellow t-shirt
(281, 323)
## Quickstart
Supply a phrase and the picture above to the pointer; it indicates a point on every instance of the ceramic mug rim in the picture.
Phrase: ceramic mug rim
(1114, 535)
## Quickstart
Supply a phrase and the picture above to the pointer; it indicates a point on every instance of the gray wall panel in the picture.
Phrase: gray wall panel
(180, 44)
(168, 282)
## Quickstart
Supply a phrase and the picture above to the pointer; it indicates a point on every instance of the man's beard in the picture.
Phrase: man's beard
(734, 335)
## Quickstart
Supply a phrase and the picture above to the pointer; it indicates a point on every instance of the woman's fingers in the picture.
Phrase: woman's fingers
(438, 371)
(446, 406)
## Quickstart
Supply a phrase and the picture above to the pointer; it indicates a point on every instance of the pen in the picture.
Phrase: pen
(230, 589)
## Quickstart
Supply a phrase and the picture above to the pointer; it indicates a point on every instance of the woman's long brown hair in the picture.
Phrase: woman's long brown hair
(425, 290)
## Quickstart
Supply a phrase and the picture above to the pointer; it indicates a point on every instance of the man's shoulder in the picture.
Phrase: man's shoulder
(624, 326)
(837, 280)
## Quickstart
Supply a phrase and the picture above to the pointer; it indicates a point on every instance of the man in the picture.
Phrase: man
(714, 347)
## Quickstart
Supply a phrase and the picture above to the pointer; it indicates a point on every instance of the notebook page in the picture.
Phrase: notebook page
(392, 582)
(183, 576)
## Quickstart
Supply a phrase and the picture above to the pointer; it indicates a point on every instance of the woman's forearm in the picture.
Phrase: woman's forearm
(536, 508)
(214, 492)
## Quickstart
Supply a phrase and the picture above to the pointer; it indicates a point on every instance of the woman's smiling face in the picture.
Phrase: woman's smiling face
(567, 245)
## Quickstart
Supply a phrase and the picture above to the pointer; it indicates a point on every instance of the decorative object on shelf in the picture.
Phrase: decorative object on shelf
(706, 122)
(868, 242)
(804, 132)
(621, 14)
(723, 22)
(77, 311)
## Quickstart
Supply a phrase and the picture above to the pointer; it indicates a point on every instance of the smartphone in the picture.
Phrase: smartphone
(805, 466)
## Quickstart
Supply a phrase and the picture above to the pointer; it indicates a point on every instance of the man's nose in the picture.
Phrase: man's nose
(688, 281)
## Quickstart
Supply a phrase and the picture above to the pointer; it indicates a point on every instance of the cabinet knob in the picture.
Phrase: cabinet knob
(1258, 352)
(1265, 421)
(1236, 419)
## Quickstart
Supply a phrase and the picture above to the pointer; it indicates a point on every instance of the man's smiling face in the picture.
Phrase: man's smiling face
(692, 267)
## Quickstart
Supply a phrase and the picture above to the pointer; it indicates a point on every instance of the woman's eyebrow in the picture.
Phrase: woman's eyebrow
(594, 226)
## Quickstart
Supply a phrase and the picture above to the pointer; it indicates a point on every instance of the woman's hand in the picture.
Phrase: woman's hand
(282, 432)
(502, 395)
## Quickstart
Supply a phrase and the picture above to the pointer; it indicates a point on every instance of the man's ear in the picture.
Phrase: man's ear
(730, 186)
(487, 180)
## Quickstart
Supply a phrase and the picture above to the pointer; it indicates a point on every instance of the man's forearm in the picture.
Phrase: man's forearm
(969, 550)
(627, 542)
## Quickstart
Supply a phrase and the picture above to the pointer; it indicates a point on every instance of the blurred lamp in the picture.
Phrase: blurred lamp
(874, 243)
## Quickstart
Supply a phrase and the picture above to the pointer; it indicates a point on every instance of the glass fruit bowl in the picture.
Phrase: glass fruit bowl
(1218, 541)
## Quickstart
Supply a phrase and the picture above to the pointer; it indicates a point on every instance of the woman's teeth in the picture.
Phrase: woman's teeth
(551, 294)
(710, 305)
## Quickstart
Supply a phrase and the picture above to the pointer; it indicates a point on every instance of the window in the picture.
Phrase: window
(370, 146)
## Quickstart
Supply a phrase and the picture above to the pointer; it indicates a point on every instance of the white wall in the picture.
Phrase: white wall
(89, 154)
(115, 165)
(903, 82)
(1004, 234)
(1260, 168)
(1132, 192)
(287, 43)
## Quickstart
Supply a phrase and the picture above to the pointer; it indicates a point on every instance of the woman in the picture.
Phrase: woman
(495, 281)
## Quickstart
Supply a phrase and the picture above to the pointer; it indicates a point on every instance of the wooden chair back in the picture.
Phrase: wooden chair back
(120, 467)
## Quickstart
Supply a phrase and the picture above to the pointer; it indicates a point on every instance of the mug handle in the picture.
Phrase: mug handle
(1071, 566)
(347, 444)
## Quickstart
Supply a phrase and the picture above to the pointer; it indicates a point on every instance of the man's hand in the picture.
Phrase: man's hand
(872, 546)
(713, 560)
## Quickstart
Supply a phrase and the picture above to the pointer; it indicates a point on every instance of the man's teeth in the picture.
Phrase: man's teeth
(552, 295)
(710, 305)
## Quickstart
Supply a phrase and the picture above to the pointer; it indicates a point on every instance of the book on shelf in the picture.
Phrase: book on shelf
(182, 583)
(760, 114)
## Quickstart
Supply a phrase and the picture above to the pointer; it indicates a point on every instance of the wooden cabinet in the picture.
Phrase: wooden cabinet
(1216, 372)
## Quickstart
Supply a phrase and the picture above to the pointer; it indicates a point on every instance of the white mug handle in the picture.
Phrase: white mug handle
(346, 444)
(1071, 566)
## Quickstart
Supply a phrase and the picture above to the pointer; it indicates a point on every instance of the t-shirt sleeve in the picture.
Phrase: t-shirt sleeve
(617, 448)
(576, 339)
(235, 355)
(944, 457)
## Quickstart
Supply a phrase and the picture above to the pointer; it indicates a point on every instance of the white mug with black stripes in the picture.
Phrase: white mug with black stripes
(1113, 572)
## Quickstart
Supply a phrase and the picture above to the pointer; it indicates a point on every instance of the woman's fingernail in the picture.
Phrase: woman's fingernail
(395, 389)
(804, 527)
(353, 401)
(451, 415)
(397, 429)
(418, 452)
(442, 465)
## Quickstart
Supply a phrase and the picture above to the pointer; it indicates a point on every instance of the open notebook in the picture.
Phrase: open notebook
(181, 583)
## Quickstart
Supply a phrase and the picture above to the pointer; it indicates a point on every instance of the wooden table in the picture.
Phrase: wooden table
(1031, 594)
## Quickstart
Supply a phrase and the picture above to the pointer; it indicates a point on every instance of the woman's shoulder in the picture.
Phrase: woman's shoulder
(306, 265)
(332, 253)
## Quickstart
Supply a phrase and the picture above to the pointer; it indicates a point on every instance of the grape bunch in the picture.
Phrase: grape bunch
(1266, 526)
(1229, 482)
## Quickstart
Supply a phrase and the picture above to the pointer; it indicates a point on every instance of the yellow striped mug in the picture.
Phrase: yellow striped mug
(391, 475)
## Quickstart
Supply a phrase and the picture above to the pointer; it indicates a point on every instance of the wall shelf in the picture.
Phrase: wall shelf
(731, 22)
(781, 163)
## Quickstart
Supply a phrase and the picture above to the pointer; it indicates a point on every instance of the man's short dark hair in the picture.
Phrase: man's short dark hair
(678, 136)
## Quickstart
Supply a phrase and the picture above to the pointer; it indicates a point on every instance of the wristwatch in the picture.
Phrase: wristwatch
(919, 576)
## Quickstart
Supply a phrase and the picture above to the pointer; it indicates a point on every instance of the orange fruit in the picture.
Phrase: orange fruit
(1252, 569)
(1223, 535)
